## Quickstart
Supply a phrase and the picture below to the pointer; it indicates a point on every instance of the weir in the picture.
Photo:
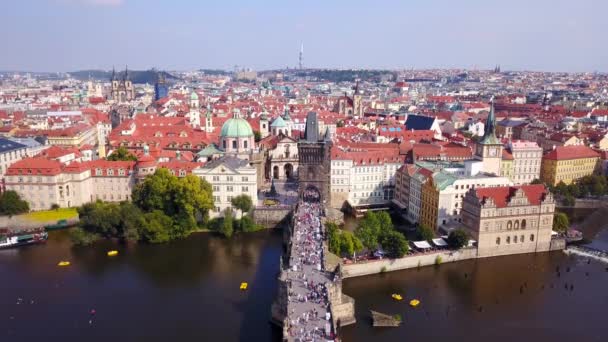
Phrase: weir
(310, 303)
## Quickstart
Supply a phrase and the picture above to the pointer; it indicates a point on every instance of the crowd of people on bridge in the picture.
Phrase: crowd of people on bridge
(309, 316)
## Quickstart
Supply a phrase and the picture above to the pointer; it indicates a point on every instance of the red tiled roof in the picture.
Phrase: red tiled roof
(570, 152)
(35, 166)
(501, 195)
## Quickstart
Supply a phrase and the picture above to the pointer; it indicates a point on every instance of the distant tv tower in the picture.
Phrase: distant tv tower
(301, 57)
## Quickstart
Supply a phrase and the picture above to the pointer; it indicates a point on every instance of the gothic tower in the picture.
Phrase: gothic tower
(357, 105)
(489, 148)
(314, 160)
(264, 124)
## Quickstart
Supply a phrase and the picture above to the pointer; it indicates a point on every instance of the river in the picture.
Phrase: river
(189, 291)
(183, 291)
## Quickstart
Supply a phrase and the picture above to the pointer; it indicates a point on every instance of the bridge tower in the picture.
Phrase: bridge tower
(314, 160)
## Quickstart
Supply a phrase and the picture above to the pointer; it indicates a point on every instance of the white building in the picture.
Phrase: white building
(527, 158)
(229, 177)
(10, 152)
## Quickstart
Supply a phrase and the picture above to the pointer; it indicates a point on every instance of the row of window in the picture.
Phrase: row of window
(230, 188)
(515, 239)
(228, 178)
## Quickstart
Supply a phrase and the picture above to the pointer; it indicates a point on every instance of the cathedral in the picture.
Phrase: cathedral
(122, 89)
(350, 106)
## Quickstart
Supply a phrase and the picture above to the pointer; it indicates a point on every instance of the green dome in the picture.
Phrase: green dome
(237, 128)
(278, 123)
(193, 96)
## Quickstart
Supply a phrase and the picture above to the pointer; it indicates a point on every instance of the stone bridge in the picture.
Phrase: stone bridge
(310, 303)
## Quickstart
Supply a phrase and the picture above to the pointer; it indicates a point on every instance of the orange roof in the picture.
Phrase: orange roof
(35, 166)
(502, 195)
(570, 152)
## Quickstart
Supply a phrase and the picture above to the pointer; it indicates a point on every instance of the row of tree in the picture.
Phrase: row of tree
(374, 230)
(593, 185)
(164, 208)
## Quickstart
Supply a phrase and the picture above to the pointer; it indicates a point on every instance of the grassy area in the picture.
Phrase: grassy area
(52, 215)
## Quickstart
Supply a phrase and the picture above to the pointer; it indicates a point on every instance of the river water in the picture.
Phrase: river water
(183, 291)
(189, 291)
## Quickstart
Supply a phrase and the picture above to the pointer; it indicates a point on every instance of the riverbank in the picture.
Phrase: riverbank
(411, 261)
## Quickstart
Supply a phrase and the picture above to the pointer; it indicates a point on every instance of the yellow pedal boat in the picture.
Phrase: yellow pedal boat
(244, 286)
(63, 263)
(414, 302)
(396, 296)
(112, 253)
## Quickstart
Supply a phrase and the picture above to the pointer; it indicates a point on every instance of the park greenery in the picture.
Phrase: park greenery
(425, 233)
(375, 230)
(12, 204)
(458, 238)
(593, 185)
(121, 154)
(164, 208)
(227, 225)
(560, 222)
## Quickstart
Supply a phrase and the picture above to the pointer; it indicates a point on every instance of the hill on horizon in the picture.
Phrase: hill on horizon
(137, 76)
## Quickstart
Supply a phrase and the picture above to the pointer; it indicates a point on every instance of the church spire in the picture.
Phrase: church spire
(489, 131)
(113, 74)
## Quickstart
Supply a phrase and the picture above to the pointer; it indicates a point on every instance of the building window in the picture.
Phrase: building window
(245, 144)
(216, 188)
(516, 226)
(523, 224)
(229, 188)
(229, 178)
(229, 198)
(216, 178)
(509, 226)
(531, 237)
(245, 189)
(508, 239)
(498, 240)
(234, 144)
(521, 239)
(245, 179)
(515, 239)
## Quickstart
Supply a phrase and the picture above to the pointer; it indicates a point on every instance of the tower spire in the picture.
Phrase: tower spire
(489, 131)
(301, 57)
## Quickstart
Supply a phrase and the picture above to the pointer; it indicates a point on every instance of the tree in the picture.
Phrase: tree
(569, 201)
(155, 228)
(561, 188)
(182, 199)
(340, 123)
(366, 232)
(425, 233)
(395, 244)
(536, 181)
(227, 223)
(242, 202)
(333, 238)
(55, 206)
(346, 243)
(81, 237)
(12, 204)
(121, 154)
(385, 223)
(560, 222)
(458, 238)
(246, 224)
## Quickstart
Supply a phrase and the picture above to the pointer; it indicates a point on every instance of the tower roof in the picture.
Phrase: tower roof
(311, 132)
(278, 123)
(489, 132)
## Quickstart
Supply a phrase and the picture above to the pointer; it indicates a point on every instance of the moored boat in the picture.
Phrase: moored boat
(10, 239)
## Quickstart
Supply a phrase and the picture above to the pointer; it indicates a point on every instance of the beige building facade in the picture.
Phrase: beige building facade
(509, 220)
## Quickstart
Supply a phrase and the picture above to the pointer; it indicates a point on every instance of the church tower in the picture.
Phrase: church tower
(208, 119)
(194, 116)
(357, 99)
(264, 124)
(489, 148)
(128, 86)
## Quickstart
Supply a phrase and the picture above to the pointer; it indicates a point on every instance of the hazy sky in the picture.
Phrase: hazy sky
(65, 35)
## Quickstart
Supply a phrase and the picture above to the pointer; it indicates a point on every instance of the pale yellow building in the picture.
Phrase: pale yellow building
(568, 164)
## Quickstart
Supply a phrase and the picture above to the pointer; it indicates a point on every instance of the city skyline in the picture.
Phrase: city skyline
(97, 34)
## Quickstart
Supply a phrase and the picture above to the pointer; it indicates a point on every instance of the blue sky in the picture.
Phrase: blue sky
(65, 35)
